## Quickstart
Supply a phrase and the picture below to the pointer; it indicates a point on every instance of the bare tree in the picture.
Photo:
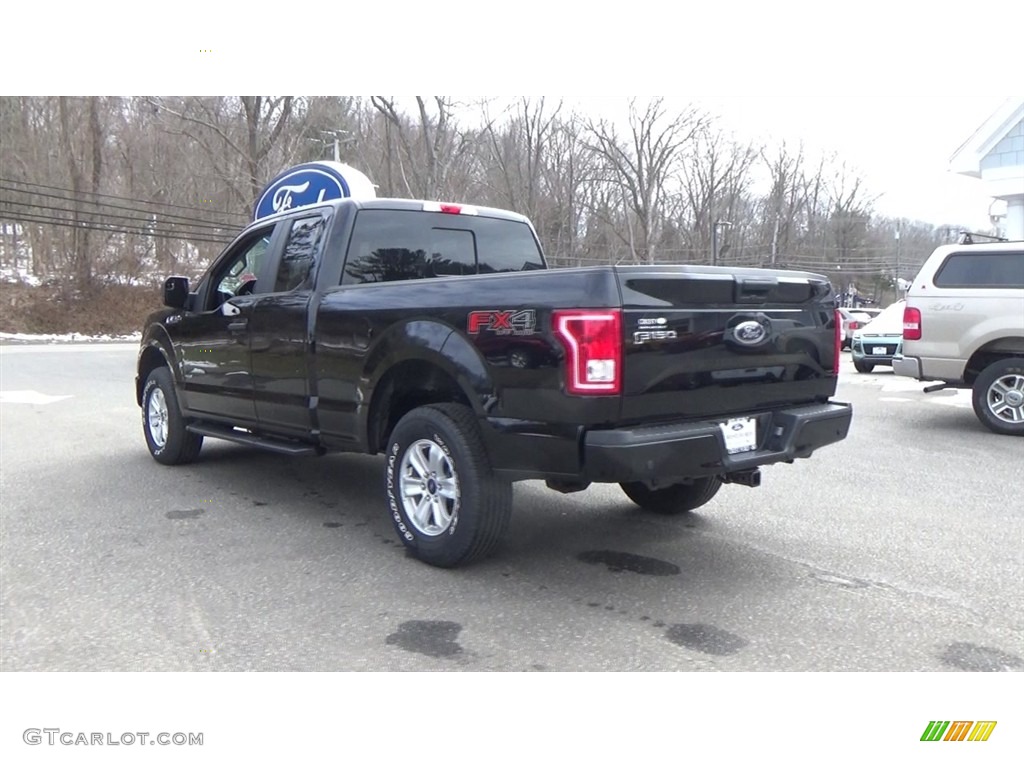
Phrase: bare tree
(238, 137)
(642, 164)
(786, 198)
(714, 179)
(427, 150)
(568, 171)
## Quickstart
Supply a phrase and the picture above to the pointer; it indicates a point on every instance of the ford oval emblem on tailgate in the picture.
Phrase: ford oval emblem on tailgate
(749, 333)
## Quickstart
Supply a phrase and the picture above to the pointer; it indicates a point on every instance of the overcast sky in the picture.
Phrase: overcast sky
(894, 90)
(900, 145)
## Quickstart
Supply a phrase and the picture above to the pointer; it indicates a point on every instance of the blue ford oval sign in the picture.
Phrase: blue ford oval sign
(312, 183)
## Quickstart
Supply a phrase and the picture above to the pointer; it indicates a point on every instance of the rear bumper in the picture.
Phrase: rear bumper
(907, 366)
(673, 452)
(931, 369)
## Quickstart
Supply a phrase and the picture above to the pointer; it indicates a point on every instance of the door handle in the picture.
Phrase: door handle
(238, 325)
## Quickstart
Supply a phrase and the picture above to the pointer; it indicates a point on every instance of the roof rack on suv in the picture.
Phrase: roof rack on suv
(967, 238)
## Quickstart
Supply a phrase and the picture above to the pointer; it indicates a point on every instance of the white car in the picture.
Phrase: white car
(878, 342)
(854, 318)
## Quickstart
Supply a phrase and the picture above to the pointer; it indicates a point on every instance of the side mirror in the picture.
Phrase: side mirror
(176, 292)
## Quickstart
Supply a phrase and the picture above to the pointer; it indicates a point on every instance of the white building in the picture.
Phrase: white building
(995, 154)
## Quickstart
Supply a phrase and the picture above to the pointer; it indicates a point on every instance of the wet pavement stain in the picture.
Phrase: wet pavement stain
(259, 503)
(431, 638)
(705, 638)
(332, 525)
(625, 561)
(184, 514)
(976, 658)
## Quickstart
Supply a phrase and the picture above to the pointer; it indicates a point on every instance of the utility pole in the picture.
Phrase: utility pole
(714, 244)
(897, 260)
(334, 134)
(714, 239)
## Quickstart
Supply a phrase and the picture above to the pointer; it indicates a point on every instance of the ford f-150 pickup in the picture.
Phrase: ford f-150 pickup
(434, 334)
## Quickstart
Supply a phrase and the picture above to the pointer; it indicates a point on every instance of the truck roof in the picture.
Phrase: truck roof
(405, 204)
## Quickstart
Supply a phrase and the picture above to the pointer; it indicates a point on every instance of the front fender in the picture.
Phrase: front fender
(156, 349)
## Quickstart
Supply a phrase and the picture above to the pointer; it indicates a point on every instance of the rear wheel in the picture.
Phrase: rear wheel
(447, 505)
(168, 440)
(675, 499)
(998, 396)
(863, 367)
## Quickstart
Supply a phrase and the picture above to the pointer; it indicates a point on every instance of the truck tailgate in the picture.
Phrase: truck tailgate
(705, 341)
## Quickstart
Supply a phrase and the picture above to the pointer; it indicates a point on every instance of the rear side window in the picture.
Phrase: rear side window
(982, 270)
(296, 271)
(409, 245)
(505, 246)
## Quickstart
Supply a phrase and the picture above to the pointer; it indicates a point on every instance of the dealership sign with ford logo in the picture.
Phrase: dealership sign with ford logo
(312, 183)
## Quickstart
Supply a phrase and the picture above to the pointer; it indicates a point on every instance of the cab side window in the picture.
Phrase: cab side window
(239, 276)
(982, 270)
(298, 262)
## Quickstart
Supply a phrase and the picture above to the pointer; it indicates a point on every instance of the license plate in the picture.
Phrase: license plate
(878, 351)
(740, 435)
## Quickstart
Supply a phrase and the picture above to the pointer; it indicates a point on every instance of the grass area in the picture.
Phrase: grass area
(110, 309)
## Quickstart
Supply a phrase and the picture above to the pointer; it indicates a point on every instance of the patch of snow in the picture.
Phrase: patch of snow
(19, 275)
(65, 338)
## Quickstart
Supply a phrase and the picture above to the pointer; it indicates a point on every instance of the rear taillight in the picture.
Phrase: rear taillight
(837, 341)
(911, 323)
(593, 344)
(854, 325)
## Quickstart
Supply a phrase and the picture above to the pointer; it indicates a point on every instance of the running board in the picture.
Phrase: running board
(247, 438)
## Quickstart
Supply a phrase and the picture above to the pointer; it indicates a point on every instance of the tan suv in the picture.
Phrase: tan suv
(964, 326)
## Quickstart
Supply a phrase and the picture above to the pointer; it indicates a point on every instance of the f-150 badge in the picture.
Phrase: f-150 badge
(502, 322)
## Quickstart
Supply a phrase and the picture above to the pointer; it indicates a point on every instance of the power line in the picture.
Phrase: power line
(39, 219)
(112, 197)
(76, 199)
(147, 221)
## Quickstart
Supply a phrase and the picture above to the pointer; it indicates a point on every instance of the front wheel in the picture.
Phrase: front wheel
(675, 499)
(446, 503)
(168, 440)
(863, 367)
(998, 396)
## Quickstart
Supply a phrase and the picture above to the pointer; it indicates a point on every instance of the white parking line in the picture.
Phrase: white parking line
(30, 397)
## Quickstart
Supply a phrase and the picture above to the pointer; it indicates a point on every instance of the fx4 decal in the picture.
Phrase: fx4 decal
(503, 322)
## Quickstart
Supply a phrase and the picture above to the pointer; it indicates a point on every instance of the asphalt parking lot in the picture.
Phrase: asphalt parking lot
(900, 549)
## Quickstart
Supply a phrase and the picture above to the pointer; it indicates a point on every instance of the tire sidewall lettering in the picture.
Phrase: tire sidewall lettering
(458, 488)
(393, 505)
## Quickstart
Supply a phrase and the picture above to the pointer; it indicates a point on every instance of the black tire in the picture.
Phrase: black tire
(997, 407)
(863, 367)
(467, 507)
(674, 499)
(174, 444)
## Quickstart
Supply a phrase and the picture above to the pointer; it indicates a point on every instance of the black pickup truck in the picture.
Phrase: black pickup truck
(434, 334)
